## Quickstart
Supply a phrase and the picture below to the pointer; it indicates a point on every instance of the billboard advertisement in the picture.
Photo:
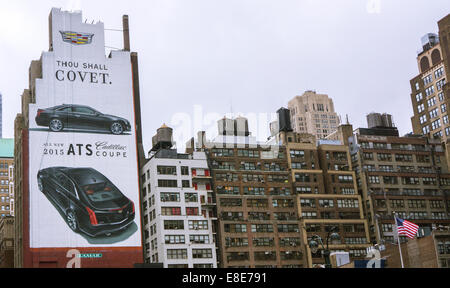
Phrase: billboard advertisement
(83, 171)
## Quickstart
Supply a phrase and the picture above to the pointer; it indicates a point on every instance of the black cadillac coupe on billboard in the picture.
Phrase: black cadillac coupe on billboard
(83, 172)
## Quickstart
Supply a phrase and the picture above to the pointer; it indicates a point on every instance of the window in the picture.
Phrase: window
(248, 153)
(167, 183)
(174, 239)
(222, 152)
(441, 96)
(201, 253)
(170, 211)
(199, 239)
(170, 197)
(291, 241)
(443, 108)
(282, 203)
(440, 84)
(288, 228)
(176, 253)
(167, 170)
(347, 203)
(429, 181)
(439, 72)
(309, 215)
(345, 178)
(436, 204)
(206, 265)
(431, 101)
(355, 240)
(426, 129)
(192, 211)
(420, 108)
(427, 79)
(368, 156)
(190, 197)
(384, 157)
(348, 191)
(198, 225)
(423, 118)
(263, 203)
(410, 181)
(429, 91)
(185, 183)
(254, 190)
(267, 228)
(403, 158)
(231, 202)
(83, 110)
(436, 124)
(374, 179)
(419, 97)
(184, 170)
(326, 203)
(310, 203)
(297, 153)
(386, 168)
(173, 224)
(397, 203)
(434, 113)
(231, 190)
(263, 241)
(235, 228)
(414, 203)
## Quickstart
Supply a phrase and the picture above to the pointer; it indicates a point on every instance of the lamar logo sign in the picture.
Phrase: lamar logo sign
(76, 38)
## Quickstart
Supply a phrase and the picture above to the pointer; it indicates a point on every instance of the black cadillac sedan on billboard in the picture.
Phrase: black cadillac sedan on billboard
(83, 117)
(89, 201)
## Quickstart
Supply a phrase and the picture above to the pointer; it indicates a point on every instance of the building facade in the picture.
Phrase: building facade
(273, 197)
(314, 114)
(327, 199)
(70, 73)
(429, 102)
(407, 175)
(178, 208)
(7, 242)
(6, 177)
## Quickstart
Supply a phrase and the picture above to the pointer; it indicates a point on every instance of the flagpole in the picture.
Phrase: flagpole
(398, 239)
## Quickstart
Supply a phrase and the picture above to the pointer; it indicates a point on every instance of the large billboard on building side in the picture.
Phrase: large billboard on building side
(83, 185)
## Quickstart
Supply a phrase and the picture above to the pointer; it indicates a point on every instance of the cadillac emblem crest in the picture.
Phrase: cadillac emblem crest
(76, 38)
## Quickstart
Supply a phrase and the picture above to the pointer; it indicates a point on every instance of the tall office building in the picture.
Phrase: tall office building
(178, 207)
(258, 223)
(314, 114)
(407, 175)
(273, 198)
(6, 177)
(326, 195)
(99, 212)
(429, 102)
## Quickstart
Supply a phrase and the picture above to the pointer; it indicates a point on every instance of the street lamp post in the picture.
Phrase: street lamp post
(316, 240)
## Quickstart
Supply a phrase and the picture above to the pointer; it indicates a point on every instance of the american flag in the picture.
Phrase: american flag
(404, 227)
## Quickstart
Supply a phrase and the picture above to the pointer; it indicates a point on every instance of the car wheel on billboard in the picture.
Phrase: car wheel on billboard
(56, 125)
(116, 128)
(72, 220)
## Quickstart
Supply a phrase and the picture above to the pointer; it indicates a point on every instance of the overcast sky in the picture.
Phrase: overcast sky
(248, 56)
